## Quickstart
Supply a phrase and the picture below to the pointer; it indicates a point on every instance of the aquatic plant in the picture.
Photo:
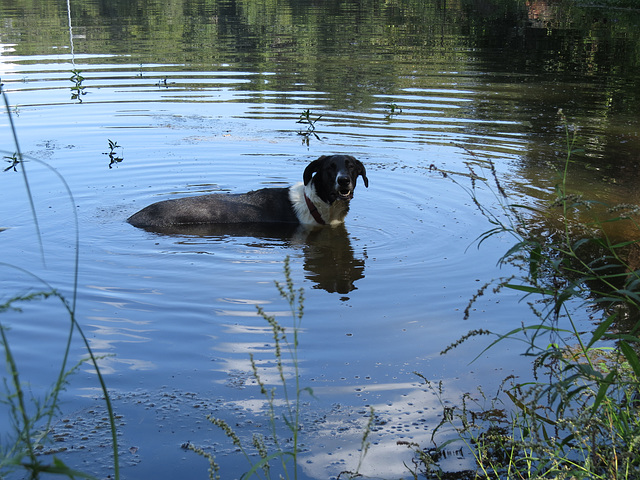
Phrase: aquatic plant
(13, 160)
(392, 109)
(31, 416)
(114, 159)
(78, 89)
(580, 416)
(305, 119)
(164, 82)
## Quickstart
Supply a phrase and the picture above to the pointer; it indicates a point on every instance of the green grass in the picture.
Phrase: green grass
(580, 416)
(31, 417)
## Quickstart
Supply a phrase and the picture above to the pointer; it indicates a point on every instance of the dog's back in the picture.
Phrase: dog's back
(267, 205)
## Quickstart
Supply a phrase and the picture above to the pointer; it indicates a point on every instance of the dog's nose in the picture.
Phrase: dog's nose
(343, 180)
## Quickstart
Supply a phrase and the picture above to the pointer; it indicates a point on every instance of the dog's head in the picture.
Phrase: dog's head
(335, 176)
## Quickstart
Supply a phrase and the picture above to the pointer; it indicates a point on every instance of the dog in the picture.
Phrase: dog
(322, 198)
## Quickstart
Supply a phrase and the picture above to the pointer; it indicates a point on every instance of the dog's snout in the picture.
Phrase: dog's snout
(344, 180)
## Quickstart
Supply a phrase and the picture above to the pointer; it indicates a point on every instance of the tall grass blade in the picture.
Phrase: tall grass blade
(69, 306)
(529, 289)
(25, 430)
(526, 409)
(601, 330)
(24, 173)
(603, 388)
(631, 357)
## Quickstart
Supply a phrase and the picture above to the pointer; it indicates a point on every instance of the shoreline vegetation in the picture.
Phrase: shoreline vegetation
(580, 417)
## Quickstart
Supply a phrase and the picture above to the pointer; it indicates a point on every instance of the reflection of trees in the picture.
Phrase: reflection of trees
(584, 61)
(273, 34)
(545, 56)
(330, 46)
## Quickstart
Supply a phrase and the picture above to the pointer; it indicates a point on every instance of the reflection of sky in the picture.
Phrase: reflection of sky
(409, 416)
(109, 333)
(330, 439)
(111, 364)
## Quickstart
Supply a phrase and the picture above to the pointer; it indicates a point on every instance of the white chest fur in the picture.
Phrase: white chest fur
(333, 214)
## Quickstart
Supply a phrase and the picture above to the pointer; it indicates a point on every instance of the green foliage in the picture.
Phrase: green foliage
(580, 418)
(392, 109)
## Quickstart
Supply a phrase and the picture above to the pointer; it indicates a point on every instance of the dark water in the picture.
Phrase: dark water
(205, 96)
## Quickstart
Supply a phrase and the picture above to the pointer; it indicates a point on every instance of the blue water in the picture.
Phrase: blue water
(173, 317)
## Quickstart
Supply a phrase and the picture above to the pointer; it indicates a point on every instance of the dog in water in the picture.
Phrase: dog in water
(321, 199)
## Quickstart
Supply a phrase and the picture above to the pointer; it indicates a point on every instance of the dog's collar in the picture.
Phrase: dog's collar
(314, 211)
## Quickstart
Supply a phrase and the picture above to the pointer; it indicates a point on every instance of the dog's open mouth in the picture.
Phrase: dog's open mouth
(345, 193)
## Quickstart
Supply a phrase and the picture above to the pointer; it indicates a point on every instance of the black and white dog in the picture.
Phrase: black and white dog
(322, 199)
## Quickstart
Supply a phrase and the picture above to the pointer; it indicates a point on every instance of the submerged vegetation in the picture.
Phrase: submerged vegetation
(580, 417)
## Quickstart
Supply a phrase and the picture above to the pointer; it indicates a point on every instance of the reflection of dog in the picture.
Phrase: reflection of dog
(329, 260)
(322, 199)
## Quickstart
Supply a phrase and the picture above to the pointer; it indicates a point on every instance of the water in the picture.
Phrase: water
(204, 97)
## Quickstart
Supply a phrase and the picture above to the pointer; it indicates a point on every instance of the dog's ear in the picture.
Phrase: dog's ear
(312, 168)
(362, 172)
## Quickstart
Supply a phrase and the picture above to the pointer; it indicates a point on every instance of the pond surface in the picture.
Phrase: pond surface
(203, 96)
